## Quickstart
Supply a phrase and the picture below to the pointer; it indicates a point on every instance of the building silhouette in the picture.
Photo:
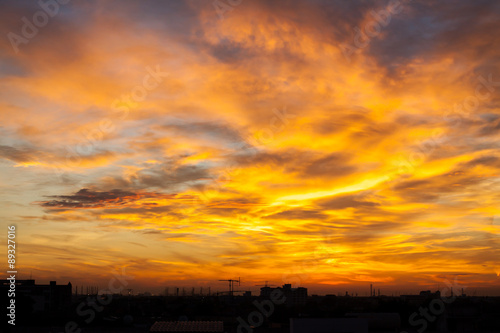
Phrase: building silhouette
(293, 296)
(46, 297)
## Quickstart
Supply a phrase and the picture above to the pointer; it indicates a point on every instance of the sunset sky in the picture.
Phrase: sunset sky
(327, 144)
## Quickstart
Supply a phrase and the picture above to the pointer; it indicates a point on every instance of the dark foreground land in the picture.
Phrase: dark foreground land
(118, 313)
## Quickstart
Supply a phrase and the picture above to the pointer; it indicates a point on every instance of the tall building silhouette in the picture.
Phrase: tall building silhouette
(293, 296)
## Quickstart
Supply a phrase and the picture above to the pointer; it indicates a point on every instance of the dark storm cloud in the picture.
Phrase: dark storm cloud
(329, 20)
(431, 29)
(178, 17)
(60, 35)
(491, 128)
(238, 55)
(227, 51)
(24, 154)
(87, 198)
(74, 21)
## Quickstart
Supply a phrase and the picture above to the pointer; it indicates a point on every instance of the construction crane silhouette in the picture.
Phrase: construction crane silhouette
(231, 285)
